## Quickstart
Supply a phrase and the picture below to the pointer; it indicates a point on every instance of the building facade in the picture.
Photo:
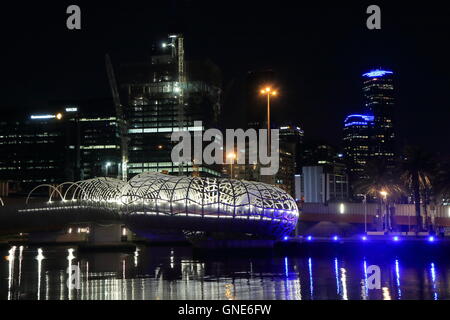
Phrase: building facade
(357, 143)
(319, 184)
(291, 140)
(371, 136)
(33, 151)
(165, 94)
(379, 102)
(73, 141)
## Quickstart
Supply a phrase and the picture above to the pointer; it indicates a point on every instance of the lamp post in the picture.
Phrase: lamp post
(268, 92)
(232, 157)
(384, 194)
(365, 213)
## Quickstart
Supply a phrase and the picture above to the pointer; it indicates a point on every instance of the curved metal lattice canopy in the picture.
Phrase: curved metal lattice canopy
(153, 193)
(194, 197)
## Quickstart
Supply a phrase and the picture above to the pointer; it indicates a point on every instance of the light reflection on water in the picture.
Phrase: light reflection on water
(173, 273)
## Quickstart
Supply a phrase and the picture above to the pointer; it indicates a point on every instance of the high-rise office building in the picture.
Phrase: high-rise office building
(71, 141)
(33, 151)
(379, 101)
(291, 140)
(93, 137)
(356, 142)
(165, 94)
(320, 153)
(371, 136)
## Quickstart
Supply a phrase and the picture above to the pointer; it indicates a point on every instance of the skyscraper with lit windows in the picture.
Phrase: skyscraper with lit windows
(163, 94)
(370, 136)
(379, 101)
(357, 136)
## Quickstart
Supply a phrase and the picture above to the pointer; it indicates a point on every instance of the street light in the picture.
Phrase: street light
(268, 91)
(231, 156)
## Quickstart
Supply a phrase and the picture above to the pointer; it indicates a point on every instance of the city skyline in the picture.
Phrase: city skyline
(313, 81)
(209, 150)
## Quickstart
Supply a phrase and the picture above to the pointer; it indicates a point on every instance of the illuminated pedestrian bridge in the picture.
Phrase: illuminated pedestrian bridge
(152, 201)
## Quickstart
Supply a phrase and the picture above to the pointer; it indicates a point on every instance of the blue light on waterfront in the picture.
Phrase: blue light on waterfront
(335, 238)
(396, 239)
(336, 272)
(433, 280)
(311, 283)
(397, 277)
(366, 288)
(309, 238)
(431, 239)
(286, 267)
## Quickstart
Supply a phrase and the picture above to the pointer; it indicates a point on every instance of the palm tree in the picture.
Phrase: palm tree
(417, 168)
(379, 178)
(442, 181)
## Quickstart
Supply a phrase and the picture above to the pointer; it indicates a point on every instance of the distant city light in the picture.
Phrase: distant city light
(396, 238)
(232, 156)
(431, 239)
(59, 116)
(335, 238)
(42, 117)
(309, 238)
(377, 73)
(364, 238)
(341, 208)
(71, 109)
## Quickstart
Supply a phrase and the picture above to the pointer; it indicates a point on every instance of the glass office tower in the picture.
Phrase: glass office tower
(378, 90)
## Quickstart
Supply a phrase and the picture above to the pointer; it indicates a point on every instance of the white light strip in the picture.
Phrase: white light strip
(164, 130)
(48, 116)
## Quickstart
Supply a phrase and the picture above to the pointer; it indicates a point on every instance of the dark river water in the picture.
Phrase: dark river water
(176, 273)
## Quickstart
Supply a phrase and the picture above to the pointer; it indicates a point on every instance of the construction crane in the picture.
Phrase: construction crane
(120, 117)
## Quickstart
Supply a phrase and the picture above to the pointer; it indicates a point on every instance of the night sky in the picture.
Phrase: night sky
(319, 52)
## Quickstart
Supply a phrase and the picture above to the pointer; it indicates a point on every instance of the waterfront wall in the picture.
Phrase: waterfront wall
(344, 208)
(354, 213)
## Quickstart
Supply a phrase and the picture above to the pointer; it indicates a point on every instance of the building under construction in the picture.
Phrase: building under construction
(161, 95)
